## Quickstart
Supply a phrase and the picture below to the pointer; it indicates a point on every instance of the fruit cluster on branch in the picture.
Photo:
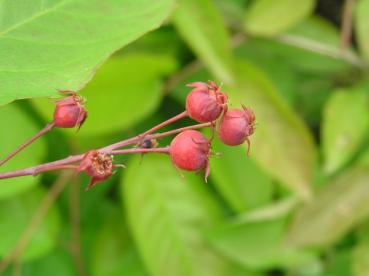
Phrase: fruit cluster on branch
(189, 150)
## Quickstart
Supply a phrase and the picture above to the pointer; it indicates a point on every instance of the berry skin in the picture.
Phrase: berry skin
(190, 150)
(205, 103)
(97, 165)
(236, 126)
(70, 112)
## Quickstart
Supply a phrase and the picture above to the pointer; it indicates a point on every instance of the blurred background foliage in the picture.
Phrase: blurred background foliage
(299, 205)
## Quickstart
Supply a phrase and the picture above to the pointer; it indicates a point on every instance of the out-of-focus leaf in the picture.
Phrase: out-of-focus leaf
(257, 241)
(282, 73)
(56, 263)
(282, 143)
(113, 252)
(270, 17)
(360, 259)
(15, 214)
(306, 46)
(345, 123)
(233, 11)
(167, 215)
(337, 208)
(201, 25)
(17, 128)
(339, 264)
(362, 26)
(238, 178)
(121, 93)
(57, 44)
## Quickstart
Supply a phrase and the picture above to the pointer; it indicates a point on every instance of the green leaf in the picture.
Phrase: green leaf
(335, 210)
(282, 144)
(201, 26)
(360, 258)
(239, 179)
(345, 123)
(311, 46)
(17, 129)
(362, 26)
(257, 241)
(58, 44)
(171, 211)
(113, 251)
(57, 263)
(121, 93)
(15, 214)
(270, 17)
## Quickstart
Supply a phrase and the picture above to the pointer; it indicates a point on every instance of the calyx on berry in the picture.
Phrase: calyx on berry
(70, 111)
(97, 165)
(205, 103)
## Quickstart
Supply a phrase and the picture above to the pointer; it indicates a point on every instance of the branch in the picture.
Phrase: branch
(346, 24)
(66, 163)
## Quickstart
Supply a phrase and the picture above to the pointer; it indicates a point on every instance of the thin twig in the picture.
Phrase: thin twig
(36, 220)
(76, 158)
(346, 24)
(321, 48)
(140, 150)
(47, 128)
(144, 135)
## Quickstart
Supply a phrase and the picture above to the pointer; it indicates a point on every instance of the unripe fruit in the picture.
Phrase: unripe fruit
(189, 151)
(206, 102)
(236, 126)
(70, 112)
(97, 165)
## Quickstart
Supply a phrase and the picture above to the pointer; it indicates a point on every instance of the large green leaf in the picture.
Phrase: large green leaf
(17, 128)
(113, 250)
(201, 25)
(239, 179)
(256, 239)
(282, 143)
(362, 26)
(270, 17)
(58, 44)
(57, 263)
(360, 259)
(345, 123)
(15, 214)
(121, 93)
(335, 210)
(167, 214)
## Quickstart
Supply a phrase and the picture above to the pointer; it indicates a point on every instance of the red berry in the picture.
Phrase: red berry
(206, 102)
(189, 151)
(236, 126)
(97, 165)
(70, 112)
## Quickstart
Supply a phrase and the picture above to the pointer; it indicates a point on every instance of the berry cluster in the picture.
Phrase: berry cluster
(189, 150)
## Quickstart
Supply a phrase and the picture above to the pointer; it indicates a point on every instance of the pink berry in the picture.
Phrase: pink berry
(97, 165)
(236, 126)
(70, 112)
(205, 102)
(189, 151)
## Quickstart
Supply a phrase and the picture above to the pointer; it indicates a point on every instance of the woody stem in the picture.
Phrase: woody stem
(63, 163)
(139, 150)
(143, 135)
